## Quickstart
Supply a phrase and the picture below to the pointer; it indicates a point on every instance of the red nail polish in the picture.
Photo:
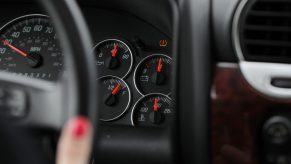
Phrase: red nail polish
(80, 127)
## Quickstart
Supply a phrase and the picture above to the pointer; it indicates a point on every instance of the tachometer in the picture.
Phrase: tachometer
(29, 47)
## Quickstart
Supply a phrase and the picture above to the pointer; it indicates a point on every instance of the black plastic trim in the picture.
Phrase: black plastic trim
(194, 80)
(222, 16)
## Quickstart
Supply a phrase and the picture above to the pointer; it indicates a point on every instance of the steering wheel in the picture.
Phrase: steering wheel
(50, 104)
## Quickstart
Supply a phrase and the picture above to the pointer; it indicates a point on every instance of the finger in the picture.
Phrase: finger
(75, 142)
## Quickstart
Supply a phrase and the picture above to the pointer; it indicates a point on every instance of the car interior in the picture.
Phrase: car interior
(162, 81)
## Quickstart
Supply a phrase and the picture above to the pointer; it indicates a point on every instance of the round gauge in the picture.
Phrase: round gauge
(153, 75)
(113, 57)
(29, 47)
(115, 96)
(152, 110)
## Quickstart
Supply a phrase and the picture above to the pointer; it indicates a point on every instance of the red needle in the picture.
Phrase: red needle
(156, 105)
(14, 48)
(160, 65)
(115, 90)
(114, 51)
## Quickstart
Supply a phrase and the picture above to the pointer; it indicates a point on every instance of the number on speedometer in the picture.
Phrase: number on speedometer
(29, 47)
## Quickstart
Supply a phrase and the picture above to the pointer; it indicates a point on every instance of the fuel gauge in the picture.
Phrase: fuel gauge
(115, 96)
(152, 110)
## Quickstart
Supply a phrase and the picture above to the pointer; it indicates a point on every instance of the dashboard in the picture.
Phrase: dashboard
(178, 80)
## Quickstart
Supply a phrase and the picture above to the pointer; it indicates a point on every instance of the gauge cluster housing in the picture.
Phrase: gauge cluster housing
(148, 28)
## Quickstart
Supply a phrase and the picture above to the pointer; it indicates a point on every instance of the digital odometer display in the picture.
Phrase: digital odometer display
(29, 47)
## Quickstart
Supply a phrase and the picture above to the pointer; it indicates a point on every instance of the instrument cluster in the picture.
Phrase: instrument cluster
(134, 78)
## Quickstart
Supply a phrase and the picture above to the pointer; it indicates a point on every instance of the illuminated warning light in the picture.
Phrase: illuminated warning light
(163, 43)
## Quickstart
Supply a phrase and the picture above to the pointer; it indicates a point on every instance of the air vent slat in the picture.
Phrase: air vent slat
(270, 14)
(277, 1)
(267, 43)
(265, 29)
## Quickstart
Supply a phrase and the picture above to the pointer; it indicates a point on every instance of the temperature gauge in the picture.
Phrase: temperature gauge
(153, 75)
(152, 110)
(113, 57)
(115, 96)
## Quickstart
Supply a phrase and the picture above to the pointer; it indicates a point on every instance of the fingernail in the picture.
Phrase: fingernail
(80, 126)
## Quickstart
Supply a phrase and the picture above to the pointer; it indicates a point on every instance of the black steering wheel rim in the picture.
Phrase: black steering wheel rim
(76, 44)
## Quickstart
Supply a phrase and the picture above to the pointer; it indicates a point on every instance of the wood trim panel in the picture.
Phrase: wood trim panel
(237, 115)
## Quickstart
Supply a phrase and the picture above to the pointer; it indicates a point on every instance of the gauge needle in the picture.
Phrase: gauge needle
(160, 65)
(114, 51)
(156, 105)
(14, 48)
(115, 90)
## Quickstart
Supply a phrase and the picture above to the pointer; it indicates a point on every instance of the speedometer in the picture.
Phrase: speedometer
(29, 47)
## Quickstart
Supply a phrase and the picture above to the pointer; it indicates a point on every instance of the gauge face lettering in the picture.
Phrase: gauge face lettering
(152, 110)
(114, 97)
(153, 75)
(113, 57)
(29, 47)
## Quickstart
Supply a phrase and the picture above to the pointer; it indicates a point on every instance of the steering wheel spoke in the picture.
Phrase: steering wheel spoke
(31, 102)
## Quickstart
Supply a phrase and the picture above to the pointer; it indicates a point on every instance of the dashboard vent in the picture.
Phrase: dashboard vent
(265, 31)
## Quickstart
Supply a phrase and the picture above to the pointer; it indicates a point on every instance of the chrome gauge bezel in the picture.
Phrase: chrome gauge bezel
(139, 64)
(141, 99)
(128, 103)
(126, 45)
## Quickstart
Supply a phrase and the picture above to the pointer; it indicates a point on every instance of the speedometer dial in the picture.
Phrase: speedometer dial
(29, 47)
